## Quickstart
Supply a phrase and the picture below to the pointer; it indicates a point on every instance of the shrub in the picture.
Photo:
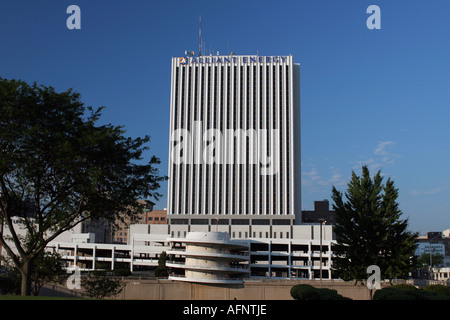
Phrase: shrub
(308, 292)
(9, 284)
(304, 292)
(439, 289)
(100, 286)
(404, 286)
(392, 293)
(408, 292)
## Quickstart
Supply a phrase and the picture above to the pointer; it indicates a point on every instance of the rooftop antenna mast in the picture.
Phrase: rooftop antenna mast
(200, 38)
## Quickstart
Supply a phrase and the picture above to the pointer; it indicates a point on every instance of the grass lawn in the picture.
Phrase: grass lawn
(13, 297)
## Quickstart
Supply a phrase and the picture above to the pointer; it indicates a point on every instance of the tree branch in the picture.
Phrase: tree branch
(7, 218)
(69, 223)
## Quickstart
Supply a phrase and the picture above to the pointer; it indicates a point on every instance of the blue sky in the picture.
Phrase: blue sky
(375, 97)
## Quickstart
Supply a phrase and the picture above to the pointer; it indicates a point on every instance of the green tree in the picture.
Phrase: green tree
(369, 229)
(161, 269)
(59, 167)
(426, 260)
(47, 268)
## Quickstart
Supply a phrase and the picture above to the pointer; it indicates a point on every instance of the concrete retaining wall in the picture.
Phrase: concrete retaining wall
(144, 289)
(250, 290)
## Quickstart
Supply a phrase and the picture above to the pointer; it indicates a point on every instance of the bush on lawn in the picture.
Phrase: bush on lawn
(408, 292)
(439, 289)
(307, 292)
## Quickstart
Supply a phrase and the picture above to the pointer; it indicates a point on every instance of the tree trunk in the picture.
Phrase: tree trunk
(25, 272)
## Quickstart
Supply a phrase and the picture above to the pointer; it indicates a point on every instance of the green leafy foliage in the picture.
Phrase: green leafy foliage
(99, 286)
(47, 268)
(59, 167)
(439, 289)
(369, 229)
(409, 292)
(161, 270)
(308, 292)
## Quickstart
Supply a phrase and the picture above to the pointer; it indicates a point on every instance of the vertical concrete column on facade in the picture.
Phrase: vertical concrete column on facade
(113, 257)
(132, 254)
(75, 255)
(94, 256)
(269, 258)
(310, 260)
(289, 258)
(329, 261)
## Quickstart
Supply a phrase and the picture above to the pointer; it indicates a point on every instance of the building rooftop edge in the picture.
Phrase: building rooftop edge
(235, 55)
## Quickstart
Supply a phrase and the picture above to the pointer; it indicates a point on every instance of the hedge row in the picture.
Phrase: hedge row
(307, 292)
(410, 292)
(395, 292)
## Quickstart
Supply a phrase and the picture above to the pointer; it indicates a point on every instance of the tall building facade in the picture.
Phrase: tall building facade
(234, 207)
(234, 155)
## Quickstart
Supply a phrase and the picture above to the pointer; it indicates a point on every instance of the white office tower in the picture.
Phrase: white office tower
(234, 155)
(234, 208)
